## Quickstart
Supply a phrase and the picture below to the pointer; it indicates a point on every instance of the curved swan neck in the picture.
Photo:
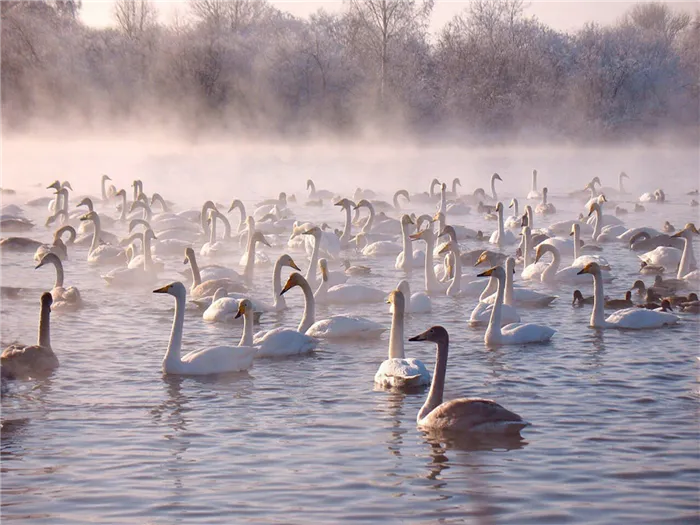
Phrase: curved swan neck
(553, 266)
(684, 266)
(433, 183)
(279, 300)
(493, 188)
(44, 338)
(172, 354)
(598, 314)
(396, 345)
(309, 316)
(494, 329)
(196, 276)
(368, 225)
(437, 386)
(97, 231)
(247, 337)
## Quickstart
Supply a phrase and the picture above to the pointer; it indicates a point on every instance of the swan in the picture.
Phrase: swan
(629, 318)
(397, 371)
(205, 288)
(213, 360)
(143, 271)
(26, 361)
(481, 315)
(544, 207)
(373, 226)
(620, 190)
(502, 237)
(19, 244)
(426, 197)
(63, 298)
(86, 227)
(317, 194)
(494, 178)
(335, 327)
(570, 274)
(653, 196)
(513, 222)
(515, 333)
(531, 271)
(15, 224)
(665, 256)
(533, 193)
(396, 205)
(432, 285)
(519, 296)
(58, 247)
(464, 415)
(458, 233)
(582, 260)
(684, 266)
(376, 249)
(345, 293)
(226, 308)
(101, 253)
(347, 206)
(417, 303)
(250, 257)
(352, 270)
(213, 247)
(408, 258)
(333, 277)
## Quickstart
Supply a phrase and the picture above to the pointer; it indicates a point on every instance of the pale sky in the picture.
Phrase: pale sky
(560, 14)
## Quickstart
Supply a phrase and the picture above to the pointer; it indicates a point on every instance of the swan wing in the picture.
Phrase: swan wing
(402, 373)
(341, 326)
(473, 415)
(282, 342)
(516, 333)
(219, 359)
(640, 318)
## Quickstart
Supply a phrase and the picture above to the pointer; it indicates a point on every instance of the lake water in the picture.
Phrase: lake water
(109, 439)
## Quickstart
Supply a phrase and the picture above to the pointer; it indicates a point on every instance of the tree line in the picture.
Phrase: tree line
(244, 66)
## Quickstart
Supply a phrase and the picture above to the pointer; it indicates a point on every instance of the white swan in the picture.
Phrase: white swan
(317, 194)
(687, 258)
(531, 271)
(629, 318)
(213, 360)
(346, 205)
(145, 273)
(26, 361)
(63, 298)
(519, 296)
(464, 415)
(553, 274)
(333, 277)
(513, 222)
(408, 258)
(533, 193)
(432, 285)
(481, 315)
(345, 293)
(397, 371)
(57, 247)
(581, 260)
(101, 253)
(666, 256)
(251, 258)
(502, 237)
(515, 333)
(377, 248)
(213, 247)
(544, 207)
(417, 303)
(335, 327)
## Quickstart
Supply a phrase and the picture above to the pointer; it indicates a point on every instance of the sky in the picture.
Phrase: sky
(564, 15)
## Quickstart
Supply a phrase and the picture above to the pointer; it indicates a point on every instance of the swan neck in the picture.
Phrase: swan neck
(553, 266)
(684, 266)
(147, 258)
(501, 230)
(437, 386)
(577, 248)
(490, 289)
(44, 338)
(247, 337)
(122, 216)
(97, 230)
(396, 345)
(431, 282)
(509, 288)
(526, 248)
(598, 314)
(368, 225)
(103, 188)
(196, 276)
(347, 229)
(530, 221)
(494, 328)
(59, 272)
(311, 270)
(309, 316)
(534, 181)
(279, 300)
(212, 231)
(172, 354)
(598, 222)
(493, 188)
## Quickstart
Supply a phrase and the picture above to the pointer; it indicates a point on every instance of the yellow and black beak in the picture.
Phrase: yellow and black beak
(241, 310)
(292, 264)
(487, 273)
(164, 289)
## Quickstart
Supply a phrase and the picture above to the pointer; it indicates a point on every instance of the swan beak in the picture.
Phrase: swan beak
(679, 234)
(84, 217)
(571, 234)
(187, 259)
(487, 273)
(419, 337)
(436, 217)
(264, 241)
(241, 310)
(290, 284)
(445, 248)
(292, 264)
(415, 236)
(41, 263)
(583, 270)
(164, 289)
(481, 259)
(410, 220)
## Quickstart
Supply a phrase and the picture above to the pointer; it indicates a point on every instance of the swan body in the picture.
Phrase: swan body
(417, 303)
(29, 361)
(570, 274)
(63, 298)
(502, 237)
(665, 256)
(544, 207)
(519, 296)
(213, 360)
(345, 293)
(582, 260)
(398, 372)
(472, 416)
(101, 253)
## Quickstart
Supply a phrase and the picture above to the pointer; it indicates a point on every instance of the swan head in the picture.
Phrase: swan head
(244, 307)
(596, 180)
(295, 279)
(578, 297)
(87, 201)
(448, 230)
(120, 193)
(406, 220)
(534, 172)
(55, 185)
(286, 260)
(480, 192)
(176, 289)
(189, 255)
(513, 202)
(544, 248)
(323, 264)
(593, 207)
(624, 175)
(315, 231)
(575, 229)
(46, 301)
(345, 203)
(48, 258)
(443, 187)
(689, 228)
(545, 190)
(497, 271)
(482, 258)
(434, 334)
(438, 217)
(235, 204)
(499, 207)
(404, 288)
(397, 298)
(422, 234)
(309, 183)
(89, 216)
(106, 177)
(457, 182)
(593, 268)
(149, 234)
(496, 176)
(259, 237)
(363, 202)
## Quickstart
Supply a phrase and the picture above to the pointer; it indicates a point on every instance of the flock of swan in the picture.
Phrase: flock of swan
(433, 244)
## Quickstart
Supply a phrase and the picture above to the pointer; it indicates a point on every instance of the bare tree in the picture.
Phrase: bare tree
(385, 21)
(660, 18)
(134, 17)
(229, 14)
